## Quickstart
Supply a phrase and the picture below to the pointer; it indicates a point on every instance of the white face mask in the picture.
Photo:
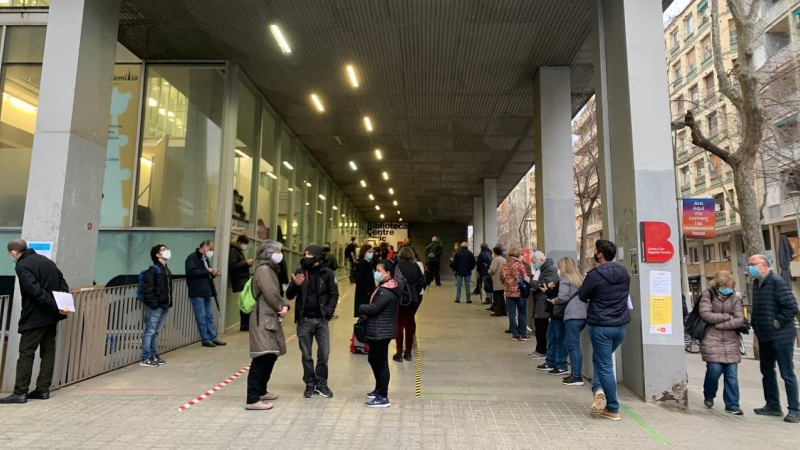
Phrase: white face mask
(166, 255)
(244, 247)
(209, 254)
(277, 258)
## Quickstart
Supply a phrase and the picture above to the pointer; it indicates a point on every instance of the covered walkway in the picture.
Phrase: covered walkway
(478, 390)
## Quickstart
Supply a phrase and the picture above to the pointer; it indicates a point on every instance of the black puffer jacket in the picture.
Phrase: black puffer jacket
(773, 300)
(413, 277)
(327, 290)
(157, 287)
(39, 277)
(382, 311)
(606, 288)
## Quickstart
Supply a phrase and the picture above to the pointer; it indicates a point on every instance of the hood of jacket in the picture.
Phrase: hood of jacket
(546, 265)
(393, 285)
(315, 250)
(613, 273)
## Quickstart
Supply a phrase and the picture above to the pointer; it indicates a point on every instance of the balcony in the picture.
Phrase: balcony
(776, 11)
(699, 183)
(677, 84)
(707, 60)
(704, 26)
(715, 180)
(689, 38)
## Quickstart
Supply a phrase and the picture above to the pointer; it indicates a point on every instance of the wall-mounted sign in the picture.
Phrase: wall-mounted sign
(43, 248)
(699, 218)
(391, 233)
(656, 247)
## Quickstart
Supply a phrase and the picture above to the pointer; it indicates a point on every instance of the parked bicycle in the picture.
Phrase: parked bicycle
(691, 345)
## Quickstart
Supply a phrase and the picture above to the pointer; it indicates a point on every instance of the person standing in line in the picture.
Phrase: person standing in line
(267, 341)
(606, 289)
(381, 314)
(545, 273)
(365, 286)
(484, 261)
(406, 324)
(157, 298)
(239, 273)
(574, 317)
(200, 281)
(556, 356)
(510, 273)
(433, 253)
(498, 307)
(774, 309)
(330, 258)
(38, 278)
(314, 286)
(463, 264)
(721, 308)
(456, 248)
(351, 254)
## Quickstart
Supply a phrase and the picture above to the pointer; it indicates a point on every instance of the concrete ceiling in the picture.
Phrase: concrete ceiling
(447, 83)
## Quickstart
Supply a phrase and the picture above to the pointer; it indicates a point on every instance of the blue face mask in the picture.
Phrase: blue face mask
(369, 256)
(378, 277)
(536, 266)
(726, 291)
(753, 271)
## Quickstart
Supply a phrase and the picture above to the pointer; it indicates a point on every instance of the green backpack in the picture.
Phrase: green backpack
(247, 301)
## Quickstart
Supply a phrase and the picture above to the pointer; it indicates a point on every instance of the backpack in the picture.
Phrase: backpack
(247, 301)
(139, 292)
(524, 287)
(406, 298)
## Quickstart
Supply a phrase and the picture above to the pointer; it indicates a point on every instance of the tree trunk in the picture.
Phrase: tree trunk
(582, 266)
(749, 209)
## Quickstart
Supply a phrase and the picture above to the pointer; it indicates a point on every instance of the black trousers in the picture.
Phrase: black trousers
(258, 377)
(540, 329)
(43, 338)
(499, 302)
(433, 268)
(379, 361)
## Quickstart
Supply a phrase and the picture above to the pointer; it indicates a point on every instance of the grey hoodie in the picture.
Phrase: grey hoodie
(576, 309)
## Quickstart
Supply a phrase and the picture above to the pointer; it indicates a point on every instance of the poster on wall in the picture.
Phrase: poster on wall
(656, 247)
(660, 302)
(699, 218)
(390, 232)
(121, 149)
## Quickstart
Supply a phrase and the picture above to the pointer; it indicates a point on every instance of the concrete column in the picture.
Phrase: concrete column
(552, 148)
(477, 225)
(642, 167)
(69, 147)
(490, 212)
(603, 140)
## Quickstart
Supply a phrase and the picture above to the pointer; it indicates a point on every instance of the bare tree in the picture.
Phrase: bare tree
(585, 169)
(513, 215)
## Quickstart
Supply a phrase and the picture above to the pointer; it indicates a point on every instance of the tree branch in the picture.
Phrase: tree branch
(725, 85)
(703, 142)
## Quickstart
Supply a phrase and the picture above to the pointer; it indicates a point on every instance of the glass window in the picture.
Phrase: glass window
(267, 179)
(322, 209)
(285, 191)
(181, 147)
(298, 213)
(24, 44)
(246, 135)
(311, 205)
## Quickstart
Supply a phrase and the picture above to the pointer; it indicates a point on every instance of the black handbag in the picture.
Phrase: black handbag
(695, 326)
(360, 329)
(558, 310)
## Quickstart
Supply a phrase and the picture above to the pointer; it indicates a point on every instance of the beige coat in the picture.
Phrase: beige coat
(494, 271)
(266, 331)
(724, 317)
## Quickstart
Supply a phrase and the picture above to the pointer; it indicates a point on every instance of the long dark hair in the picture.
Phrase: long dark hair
(362, 253)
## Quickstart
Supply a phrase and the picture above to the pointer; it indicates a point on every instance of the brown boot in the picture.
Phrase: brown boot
(606, 414)
(599, 403)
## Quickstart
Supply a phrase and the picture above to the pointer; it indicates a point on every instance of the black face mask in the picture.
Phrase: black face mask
(308, 263)
(597, 257)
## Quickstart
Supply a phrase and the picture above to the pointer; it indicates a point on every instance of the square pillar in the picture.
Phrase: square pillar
(555, 195)
(632, 84)
(65, 185)
(490, 212)
(477, 224)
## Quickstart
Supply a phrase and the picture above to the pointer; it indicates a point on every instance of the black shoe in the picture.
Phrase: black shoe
(469, 301)
(308, 392)
(244, 328)
(572, 381)
(398, 357)
(14, 399)
(209, 344)
(323, 391)
(508, 331)
(458, 301)
(735, 412)
(545, 367)
(219, 343)
(557, 371)
(769, 411)
(407, 356)
(709, 402)
(38, 395)
(476, 292)
(792, 417)
(490, 309)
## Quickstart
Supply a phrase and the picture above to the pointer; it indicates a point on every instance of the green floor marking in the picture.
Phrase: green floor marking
(643, 424)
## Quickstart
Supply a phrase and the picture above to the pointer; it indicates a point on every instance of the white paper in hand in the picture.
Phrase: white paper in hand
(64, 301)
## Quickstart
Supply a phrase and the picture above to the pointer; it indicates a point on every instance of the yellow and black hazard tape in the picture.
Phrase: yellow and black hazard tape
(418, 378)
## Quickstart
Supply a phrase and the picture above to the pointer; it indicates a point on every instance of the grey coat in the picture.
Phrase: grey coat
(266, 331)
(576, 309)
(494, 271)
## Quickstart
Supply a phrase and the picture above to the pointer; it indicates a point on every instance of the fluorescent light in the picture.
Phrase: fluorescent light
(339, 141)
(290, 189)
(334, 207)
(170, 114)
(401, 219)
(378, 154)
(294, 224)
(391, 191)
(242, 154)
(287, 165)
(385, 176)
(368, 123)
(146, 162)
(281, 40)
(162, 111)
(317, 103)
(394, 203)
(272, 175)
(166, 83)
(308, 184)
(398, 211)
(363, 183)
(343, 215)
(371, 197)
(152, 102)
(308, 204)
(351, 72)
(353, 165)
(321, 197)
(381, 216)
(319, 212)
(377, 208)
(20, 104)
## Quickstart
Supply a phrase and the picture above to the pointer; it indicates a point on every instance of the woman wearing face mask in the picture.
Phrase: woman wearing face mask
(381, 315)
(267, 340)
(365, 284)
(721, 308)
(239, 272)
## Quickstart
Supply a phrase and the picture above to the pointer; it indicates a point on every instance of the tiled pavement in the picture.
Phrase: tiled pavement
(479, 391)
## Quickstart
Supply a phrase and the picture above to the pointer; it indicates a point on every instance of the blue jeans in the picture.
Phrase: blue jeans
(154, 320)
(556, 350)
(463, 279)
(730, 394)
(782, 353)
(204, 316)
(572, 342)
(605, 341)
(517, 306)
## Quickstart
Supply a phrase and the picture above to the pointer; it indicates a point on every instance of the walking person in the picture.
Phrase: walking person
(498, 307)
(239, 273)
(456, 248)
(433, 253)
(721, 308)
(606, 289)
(774, 309)
(406, 324)
(574, 317)
(38, 278)
(200, 282)
(484, 261)
(157, 298)
(381, 314)
(545, 274)
(314, 286)
(267, 341)
(510, 273)
(351, 254)
(463, 264)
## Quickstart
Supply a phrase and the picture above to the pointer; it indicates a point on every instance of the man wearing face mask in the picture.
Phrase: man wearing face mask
(774, 308)
(239, 272)
(314, 287)
(200, 281)
(157, 298)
